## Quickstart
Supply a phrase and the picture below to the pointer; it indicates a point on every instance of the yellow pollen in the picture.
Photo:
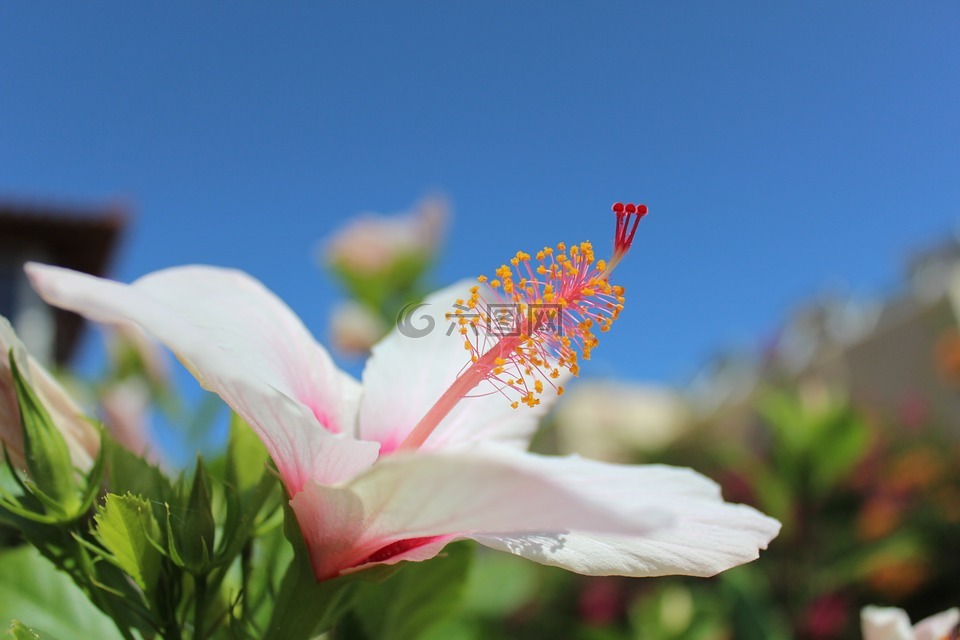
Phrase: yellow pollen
(557, 306)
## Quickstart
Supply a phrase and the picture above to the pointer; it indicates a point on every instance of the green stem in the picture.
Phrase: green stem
(199, 604)
(246, 567)
(167, 601)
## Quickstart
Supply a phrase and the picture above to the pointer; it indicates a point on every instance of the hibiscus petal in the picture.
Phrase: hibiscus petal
(885, 623)
(407, 374)
(938, 626)
(706, 535)
(427, 499)
(243, 343)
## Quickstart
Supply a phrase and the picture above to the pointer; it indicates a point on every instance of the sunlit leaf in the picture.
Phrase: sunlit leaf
(246, 456)
(32, 590)
(20, 631)
(125, 526)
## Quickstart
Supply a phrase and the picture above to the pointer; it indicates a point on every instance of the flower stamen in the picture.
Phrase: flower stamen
(535, 320)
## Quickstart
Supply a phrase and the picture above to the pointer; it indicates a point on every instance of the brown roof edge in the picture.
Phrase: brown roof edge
(81, 237)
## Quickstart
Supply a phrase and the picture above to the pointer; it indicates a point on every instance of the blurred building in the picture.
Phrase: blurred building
(81, 238)
(897, 358)
(908, 366)
(617, 421)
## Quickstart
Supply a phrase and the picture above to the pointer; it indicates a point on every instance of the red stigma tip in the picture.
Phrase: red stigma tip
(623, 237)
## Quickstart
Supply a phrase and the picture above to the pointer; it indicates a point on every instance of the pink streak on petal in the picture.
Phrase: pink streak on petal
(246, 345)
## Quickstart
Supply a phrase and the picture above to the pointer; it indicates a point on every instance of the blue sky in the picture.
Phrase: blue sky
(782, 148)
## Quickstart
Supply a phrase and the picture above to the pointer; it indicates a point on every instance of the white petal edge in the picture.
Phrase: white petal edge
(243, 343)
(937, 626)
(885, 623)
(706, 534)
(468, 493)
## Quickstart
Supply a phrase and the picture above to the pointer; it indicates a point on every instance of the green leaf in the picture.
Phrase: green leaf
(842, 444)
(125, 527)
(419, 596)
(23, 511)
(130, 473)
(32, 589)
(192, 527)
(244, 515)
(501, 583)
(754, 612)
(20, 631)
(201, 522)
(46, 452)
(246, 456)
(265, 566)
(453, 629)
(172, 544)
(774, 493)
(250, 488)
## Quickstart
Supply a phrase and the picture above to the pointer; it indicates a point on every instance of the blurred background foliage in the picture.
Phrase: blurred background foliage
(850, 442)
